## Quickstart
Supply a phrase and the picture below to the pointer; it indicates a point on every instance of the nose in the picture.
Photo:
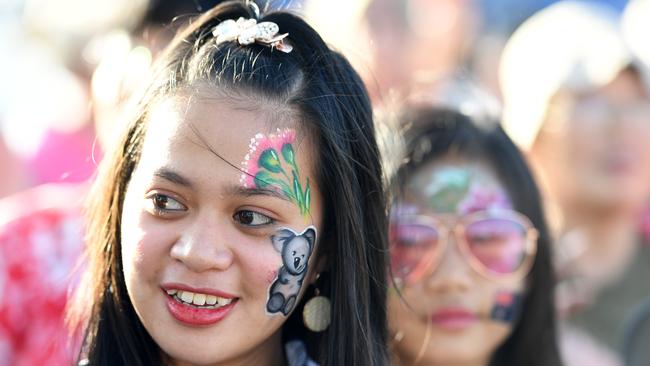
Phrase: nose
(453, 273)
(204, 246)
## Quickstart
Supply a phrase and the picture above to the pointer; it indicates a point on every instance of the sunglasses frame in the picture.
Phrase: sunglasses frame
(457, 227)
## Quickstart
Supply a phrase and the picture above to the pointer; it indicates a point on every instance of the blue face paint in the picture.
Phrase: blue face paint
(506, 306)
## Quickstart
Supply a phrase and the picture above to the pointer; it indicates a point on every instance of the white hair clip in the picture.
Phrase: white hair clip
(247, 31)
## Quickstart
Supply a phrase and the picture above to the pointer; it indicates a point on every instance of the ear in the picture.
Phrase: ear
(281, 237)
(320, 265)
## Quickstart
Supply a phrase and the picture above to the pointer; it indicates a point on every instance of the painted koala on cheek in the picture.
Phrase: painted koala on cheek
(295, 250)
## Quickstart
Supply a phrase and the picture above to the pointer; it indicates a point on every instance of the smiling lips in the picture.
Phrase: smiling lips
(197, 307)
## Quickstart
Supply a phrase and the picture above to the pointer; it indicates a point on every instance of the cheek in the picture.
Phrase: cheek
(259, 265)
(584, 141)
(271, 275)
(144, 243)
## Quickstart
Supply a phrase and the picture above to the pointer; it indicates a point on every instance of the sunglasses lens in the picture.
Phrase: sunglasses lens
(499, 244)
(412, 248)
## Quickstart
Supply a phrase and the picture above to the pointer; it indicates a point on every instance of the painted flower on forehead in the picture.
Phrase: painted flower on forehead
(271, 163)
(445, 188)
(483, 197)
(460, 191)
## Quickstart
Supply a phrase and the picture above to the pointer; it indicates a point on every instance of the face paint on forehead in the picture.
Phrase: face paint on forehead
(295, 249)
(460, 191)
(507, 305)
(271, 163)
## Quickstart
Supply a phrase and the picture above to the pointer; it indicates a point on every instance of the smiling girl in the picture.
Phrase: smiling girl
(247, 183)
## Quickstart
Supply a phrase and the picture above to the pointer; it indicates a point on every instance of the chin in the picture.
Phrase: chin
(185, 357)
(452, 357)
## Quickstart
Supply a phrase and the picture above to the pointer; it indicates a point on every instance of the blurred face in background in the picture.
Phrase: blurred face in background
(459, 255)
(415, 42)
(594, 148)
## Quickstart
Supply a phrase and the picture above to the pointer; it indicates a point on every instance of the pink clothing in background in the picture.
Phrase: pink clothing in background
(40, 244)
(65, 157)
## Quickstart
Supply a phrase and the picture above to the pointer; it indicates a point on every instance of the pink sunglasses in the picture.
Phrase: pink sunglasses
(497, 244)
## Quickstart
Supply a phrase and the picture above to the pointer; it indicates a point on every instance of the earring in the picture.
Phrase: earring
(316, 315)
(399, 336)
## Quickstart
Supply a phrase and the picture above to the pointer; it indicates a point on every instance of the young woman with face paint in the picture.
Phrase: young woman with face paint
(469, 249)
(248, 181)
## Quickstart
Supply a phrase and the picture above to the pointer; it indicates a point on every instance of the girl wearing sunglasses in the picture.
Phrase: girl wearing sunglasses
(469, 249)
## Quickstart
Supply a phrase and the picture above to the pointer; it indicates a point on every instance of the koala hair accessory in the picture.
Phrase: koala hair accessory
(248, 31)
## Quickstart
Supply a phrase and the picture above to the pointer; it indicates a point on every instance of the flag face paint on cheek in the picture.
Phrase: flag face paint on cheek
(506, 306)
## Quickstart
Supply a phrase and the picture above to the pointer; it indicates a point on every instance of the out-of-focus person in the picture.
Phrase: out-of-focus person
(398, 45)
(577, 99)
(49, 122)
(470, 251)
(40, 244)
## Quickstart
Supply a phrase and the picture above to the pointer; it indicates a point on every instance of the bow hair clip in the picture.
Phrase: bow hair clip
(247, 31)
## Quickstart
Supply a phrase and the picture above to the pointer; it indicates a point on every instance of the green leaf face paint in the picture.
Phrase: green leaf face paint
(264, 167)
(270, 161)
(288, 154)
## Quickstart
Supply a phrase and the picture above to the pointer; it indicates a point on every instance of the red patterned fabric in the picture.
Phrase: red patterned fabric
(40, 243)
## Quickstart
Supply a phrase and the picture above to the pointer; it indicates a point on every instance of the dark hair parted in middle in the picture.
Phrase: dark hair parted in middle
(319, 89)
(438, 134)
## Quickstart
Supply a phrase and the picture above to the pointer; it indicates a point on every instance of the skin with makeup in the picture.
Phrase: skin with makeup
(235, 220)
(197, 243)
(469, 249)
(460, 314)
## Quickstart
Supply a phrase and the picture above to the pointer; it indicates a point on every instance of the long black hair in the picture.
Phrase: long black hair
(331, 105)
(434, 133)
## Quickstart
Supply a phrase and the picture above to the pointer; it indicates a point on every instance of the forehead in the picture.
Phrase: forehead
(457, 187)
(198, 134)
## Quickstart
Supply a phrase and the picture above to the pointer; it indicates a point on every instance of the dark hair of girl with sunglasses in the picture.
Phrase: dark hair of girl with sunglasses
(470, 253)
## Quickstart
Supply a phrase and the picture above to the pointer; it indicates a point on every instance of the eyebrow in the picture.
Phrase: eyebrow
(254, 191)
(173, 177)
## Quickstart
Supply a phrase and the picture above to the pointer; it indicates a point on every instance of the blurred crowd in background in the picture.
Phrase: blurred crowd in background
(570, 79)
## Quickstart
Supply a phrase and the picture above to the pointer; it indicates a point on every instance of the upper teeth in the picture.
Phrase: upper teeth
(199, 299)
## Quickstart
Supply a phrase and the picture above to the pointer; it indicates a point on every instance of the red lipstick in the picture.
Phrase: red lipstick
(194, 315)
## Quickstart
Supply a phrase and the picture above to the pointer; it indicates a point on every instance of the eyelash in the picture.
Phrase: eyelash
(238, 217)
(158, 199)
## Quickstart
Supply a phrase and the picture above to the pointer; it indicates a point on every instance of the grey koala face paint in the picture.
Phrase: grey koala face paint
(295, 249)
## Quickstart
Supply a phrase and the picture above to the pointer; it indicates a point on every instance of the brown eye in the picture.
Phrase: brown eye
(251, 218)
(162, 204)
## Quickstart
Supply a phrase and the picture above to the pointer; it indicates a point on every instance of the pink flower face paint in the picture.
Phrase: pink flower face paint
(271, 163)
